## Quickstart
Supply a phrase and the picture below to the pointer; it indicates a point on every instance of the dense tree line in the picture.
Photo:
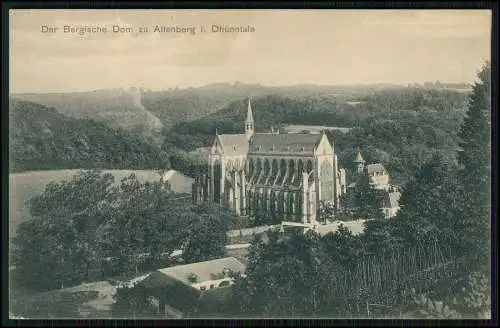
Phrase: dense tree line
(269, 111)
(89, 227)
(397, 127)
(43, 139)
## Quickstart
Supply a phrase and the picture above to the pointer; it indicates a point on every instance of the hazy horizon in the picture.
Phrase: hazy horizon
(287, 48)
(232, 83)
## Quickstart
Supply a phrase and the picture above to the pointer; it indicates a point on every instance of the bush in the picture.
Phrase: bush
(468, 298)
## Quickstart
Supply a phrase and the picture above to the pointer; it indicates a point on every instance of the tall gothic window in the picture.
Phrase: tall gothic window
(217, 181)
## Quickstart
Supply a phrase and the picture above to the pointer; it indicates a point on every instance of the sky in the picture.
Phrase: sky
(327, 47)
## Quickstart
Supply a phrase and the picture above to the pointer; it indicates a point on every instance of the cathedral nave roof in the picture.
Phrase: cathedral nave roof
(234, 144)
(284, 143)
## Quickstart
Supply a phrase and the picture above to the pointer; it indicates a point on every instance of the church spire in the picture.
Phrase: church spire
(249, 124)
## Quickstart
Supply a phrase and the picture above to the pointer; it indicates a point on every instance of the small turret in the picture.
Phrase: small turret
(360, 163)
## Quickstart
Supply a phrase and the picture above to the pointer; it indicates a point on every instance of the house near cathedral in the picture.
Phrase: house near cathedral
(379, 179)
(378, 175)
(285, 176)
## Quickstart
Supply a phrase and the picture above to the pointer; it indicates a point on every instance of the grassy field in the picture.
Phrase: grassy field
(23, 186)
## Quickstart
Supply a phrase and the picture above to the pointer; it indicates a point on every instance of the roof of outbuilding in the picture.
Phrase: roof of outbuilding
(284, 143)
(203, 270)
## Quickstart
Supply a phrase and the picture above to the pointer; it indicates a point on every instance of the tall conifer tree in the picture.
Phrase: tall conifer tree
(475, 172)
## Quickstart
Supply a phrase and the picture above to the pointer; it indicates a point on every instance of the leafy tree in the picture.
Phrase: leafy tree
(467, 297)
(82, 224)
(429, 201)
(263, 217)
(286, 277)
(59, 246)
(326, 211)
(381, 237)
(207, 236)
(145, 220)
(343, 247)
(367, 200)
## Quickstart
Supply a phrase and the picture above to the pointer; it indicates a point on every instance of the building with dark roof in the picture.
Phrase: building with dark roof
(180, 291)
(286, 176)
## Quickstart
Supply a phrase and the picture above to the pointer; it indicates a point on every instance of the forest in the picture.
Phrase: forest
(398, 127)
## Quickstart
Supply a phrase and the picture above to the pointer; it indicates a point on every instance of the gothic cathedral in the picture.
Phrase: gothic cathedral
(284, 176)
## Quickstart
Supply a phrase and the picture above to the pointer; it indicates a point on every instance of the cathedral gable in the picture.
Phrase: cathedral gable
(217, 148)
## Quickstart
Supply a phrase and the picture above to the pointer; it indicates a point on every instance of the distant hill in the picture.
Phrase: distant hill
(459, 87)
(269, 111)
(118, 108)
(176, 106)
(150, 111)
(41, 139)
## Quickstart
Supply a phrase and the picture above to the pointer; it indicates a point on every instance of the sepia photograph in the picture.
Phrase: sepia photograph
(249, 164)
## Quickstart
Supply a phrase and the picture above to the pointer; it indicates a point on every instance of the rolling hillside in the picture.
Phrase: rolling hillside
(175, 106)
(150, 111)
(43, 139)
(116, 107)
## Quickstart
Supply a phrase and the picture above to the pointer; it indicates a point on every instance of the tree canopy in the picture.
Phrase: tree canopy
(90, 227)
(286, 277)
